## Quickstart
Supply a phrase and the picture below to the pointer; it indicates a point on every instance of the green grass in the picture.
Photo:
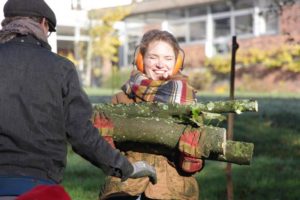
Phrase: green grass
(274, 172)
(82, 180)
(96, 91)
(285, 95)
(99, 91)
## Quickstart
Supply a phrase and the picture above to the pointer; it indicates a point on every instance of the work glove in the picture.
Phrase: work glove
(190, 151)
(142, 169)
(105, 127)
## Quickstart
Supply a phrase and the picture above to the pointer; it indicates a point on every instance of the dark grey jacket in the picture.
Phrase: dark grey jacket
(42, 106)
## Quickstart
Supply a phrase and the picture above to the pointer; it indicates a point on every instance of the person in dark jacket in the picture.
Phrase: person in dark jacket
(42, 106)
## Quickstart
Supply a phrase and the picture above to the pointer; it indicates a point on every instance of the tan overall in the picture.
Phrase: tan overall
(170, 185)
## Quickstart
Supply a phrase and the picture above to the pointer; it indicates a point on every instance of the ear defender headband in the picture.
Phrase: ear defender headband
(140, 64)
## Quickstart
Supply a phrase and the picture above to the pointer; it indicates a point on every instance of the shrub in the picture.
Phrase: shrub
(118, 78)
(286, 57)
(201, 80)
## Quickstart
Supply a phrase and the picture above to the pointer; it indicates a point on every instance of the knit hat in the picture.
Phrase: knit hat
(30, 8)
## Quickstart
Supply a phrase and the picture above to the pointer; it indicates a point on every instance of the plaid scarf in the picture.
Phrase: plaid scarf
(170, 91)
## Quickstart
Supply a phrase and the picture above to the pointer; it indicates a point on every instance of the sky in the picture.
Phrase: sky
(103, 3)
(62, 8)
(87, 4)
(60, 5)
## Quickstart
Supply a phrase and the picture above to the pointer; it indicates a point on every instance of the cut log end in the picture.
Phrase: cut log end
(238, 152)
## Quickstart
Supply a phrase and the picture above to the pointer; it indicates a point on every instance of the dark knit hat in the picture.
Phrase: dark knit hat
(30, 8)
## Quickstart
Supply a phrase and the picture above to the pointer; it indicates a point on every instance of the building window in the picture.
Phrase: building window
(76, 5)
(132, 44)
(175, 14)
(179, 31)
(197, 30)
(244, 24)
(243, 4)
(135, 18)
(220, 7)
(221, 48)
(66, 31)
(222, 27)
(214, 23)
(271, 21)
(197, 11)
(156, 16)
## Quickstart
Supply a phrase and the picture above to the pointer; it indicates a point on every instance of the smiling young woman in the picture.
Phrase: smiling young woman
(159, 60)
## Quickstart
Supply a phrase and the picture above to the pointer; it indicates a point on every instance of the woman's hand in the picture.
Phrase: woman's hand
(190, 155)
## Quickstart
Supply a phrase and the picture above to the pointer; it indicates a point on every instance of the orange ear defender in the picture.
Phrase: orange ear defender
(178, 65)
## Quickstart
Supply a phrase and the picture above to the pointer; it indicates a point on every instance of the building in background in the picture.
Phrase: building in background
(204, 28)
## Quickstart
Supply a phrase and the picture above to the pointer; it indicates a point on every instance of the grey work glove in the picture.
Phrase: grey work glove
(142, 169)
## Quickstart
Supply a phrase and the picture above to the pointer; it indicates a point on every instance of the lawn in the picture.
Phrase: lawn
(274, 172)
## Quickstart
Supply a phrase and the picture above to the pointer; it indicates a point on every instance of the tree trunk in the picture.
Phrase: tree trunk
(106, 69)
(88, 75)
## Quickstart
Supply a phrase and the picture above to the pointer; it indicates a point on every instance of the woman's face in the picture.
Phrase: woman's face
(159, 60)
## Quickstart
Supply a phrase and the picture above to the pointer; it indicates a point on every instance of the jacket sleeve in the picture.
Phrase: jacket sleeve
(83, 136)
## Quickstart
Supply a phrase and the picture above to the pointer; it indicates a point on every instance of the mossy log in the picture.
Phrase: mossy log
(163, 110)
(161, 135)
(237, 152)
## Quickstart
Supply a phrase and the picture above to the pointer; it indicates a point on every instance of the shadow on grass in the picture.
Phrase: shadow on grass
(265, 178)
(274, 172)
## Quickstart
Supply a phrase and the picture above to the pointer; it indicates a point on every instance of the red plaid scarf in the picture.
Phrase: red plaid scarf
(170, 91)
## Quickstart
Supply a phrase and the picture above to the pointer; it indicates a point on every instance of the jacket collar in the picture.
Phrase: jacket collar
(31, 40)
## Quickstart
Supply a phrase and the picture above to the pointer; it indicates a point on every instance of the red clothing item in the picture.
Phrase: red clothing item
(46, 192)
(190, 152)
(105, 127)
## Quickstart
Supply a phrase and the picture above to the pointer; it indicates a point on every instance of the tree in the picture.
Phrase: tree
(104, 38)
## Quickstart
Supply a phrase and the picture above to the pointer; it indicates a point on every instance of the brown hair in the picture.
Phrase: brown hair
(158, 35)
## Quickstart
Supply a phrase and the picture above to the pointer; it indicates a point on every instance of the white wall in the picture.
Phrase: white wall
(2, 2)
